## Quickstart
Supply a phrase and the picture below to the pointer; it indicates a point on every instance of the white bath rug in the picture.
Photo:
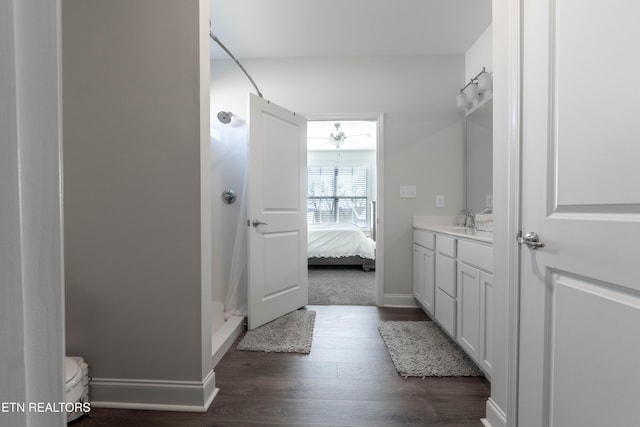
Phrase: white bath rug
(422, 349)
(292, 333)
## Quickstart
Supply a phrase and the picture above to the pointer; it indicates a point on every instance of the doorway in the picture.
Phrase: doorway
(343, 210)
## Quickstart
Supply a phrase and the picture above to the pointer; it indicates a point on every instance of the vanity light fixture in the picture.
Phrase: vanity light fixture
(470, 93)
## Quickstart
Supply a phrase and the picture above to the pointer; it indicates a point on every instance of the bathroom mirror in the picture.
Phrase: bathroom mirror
(479, 158)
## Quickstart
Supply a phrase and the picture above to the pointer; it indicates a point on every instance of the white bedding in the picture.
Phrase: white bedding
(336, 241)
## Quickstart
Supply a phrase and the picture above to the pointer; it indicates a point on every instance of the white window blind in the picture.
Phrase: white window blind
(337, 194)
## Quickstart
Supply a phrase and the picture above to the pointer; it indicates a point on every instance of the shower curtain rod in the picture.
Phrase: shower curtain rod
(215, 39)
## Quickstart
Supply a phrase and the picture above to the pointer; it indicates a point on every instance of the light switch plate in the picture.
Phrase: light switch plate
(407, 191)
(440, 201)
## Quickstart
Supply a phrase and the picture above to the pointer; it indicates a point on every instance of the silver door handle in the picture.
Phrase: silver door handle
(530, 239)
(257, 223)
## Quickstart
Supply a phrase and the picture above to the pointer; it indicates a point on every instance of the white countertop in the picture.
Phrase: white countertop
(447, 225)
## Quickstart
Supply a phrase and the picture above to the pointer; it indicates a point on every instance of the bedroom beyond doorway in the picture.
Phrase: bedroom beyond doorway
(342, 159)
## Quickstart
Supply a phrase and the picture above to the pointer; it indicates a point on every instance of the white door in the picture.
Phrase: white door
(580, 294)
(277, 211)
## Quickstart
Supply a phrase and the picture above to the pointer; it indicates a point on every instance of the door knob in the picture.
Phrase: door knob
(531, 240)
(257, 223)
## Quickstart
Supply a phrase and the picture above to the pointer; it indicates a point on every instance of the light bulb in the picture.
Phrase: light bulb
(484, 82)
(472, 93)
(461, 100)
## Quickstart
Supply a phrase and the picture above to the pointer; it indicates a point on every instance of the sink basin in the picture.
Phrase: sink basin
(464, 231)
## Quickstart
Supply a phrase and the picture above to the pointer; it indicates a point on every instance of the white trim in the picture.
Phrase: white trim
(400, 301)
(379, 118)
(160, 395)
(380, 212)
(514, 180)
(507, 47)
(224, 338)
(495, 416)
(204, 100)
(154, 407)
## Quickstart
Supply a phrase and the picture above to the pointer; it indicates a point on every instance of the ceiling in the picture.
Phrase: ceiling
(322, 28)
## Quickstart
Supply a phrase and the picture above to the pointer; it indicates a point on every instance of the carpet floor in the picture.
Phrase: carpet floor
(291, 333)
(341, 286)
(422, 349)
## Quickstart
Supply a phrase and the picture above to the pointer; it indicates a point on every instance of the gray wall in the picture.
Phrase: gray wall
(422, 128)
(136, 187)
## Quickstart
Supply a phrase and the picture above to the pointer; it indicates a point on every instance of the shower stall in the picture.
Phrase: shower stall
(228, 227)
(229, 161)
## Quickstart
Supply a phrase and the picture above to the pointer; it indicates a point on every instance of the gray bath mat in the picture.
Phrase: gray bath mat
(291, 333)
(422, 349)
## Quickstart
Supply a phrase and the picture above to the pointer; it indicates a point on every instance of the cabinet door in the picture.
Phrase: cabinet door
(429, 281)
(469, 308)
(423, 277)
(485, 354)
(446, 311)
(418, 273)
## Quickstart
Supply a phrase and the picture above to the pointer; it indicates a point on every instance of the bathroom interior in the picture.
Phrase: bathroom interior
(168, 312)
(108, 198)
(457, 150)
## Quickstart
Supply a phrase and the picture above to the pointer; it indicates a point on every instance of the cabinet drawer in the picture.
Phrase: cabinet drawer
(446, 274)
(446, 312)
(476, 254)
(424, 238)
(446, 245)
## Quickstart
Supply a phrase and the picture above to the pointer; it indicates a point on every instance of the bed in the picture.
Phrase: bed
(338, 244)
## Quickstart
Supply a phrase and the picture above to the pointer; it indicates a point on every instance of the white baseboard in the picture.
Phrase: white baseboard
(495, 417)
(399, 300)
(185, 396)
(224, 337)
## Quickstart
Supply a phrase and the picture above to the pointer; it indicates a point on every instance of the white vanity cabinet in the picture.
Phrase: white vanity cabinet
(453, 282)
(423, 269)
(475, 286)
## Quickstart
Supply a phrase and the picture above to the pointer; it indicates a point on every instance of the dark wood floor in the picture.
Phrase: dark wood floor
(348, 379)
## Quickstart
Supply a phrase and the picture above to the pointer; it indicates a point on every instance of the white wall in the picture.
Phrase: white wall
(137, 198)
(479, 55)
(422, 127)
(31, 286)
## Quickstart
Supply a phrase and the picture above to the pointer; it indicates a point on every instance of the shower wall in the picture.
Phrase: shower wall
(228, 167)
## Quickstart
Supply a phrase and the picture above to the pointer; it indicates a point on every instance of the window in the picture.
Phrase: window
(337, 194)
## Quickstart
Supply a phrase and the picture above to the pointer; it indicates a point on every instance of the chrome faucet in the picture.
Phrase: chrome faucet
(470, 220)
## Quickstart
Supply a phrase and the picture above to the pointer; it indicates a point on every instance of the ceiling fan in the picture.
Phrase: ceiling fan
(338, 138)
